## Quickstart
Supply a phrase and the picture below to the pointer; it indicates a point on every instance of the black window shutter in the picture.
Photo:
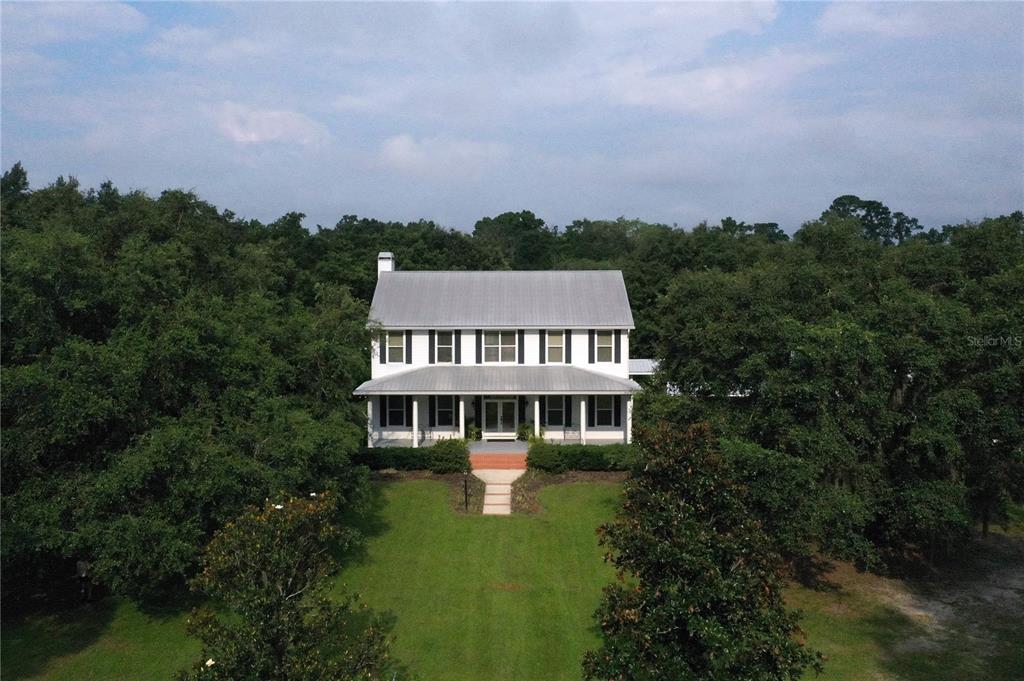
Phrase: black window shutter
(617, 412)
(543, 335)
(591, 411)
(618, 346)
(522, 346)
(408, 411)
(479, 346)
(568, 410)
(382, 409)
(522, 409)
(478, 411)
(457, 339)
(590, 356)
(432, 408)
(543, 410)
(568, 346)
(432, 341)
(383, 347)
(408, 347)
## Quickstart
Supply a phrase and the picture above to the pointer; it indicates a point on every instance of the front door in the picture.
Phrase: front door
(499, 418)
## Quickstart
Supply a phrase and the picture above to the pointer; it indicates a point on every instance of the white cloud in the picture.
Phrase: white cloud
(861, 17)
(246, 125)
(440, 157)
(711, 89)
(916, 19)
(192, 44)
(38, 23)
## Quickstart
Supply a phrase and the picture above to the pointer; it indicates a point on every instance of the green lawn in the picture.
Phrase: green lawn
(477, 597)
(488, 597)
(109, 640)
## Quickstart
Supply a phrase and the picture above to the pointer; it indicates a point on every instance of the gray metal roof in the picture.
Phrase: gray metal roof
(472, 300)
(642, 367)
(497, 380)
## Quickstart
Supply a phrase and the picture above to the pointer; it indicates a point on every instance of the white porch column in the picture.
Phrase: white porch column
(369, 421)
(583, 419)
(536, 416)
(629, 420)
(415, 421)
(462, 417)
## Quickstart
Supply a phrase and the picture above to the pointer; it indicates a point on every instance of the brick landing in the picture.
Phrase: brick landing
(498, 462)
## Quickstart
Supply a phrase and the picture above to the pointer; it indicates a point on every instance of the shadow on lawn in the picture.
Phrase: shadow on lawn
(32, 641)
(368, 520)
(974, 606)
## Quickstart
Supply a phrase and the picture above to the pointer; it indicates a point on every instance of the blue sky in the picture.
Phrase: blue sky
(667, 112)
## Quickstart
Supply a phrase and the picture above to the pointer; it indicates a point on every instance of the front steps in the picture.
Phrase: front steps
(498, 490)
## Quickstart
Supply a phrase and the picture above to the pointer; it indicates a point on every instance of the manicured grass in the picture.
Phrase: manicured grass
(108, 640)
(485, 597)
(477, 597)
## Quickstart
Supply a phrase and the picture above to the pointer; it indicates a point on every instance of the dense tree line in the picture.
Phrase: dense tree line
(166, 365)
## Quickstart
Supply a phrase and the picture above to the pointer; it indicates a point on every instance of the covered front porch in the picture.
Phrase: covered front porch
(499, 403)
(498, 420)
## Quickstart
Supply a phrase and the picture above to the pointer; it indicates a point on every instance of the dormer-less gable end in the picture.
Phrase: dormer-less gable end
(501, 299)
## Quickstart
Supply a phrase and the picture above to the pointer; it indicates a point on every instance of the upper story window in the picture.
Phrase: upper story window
(499, 346)
(445, 347)
(556, 346)
(396, 346)
(605, 346)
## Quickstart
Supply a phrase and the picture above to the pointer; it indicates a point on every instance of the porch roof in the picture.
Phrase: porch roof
(498, 380)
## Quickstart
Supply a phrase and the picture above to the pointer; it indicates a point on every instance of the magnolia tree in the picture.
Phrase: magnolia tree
(698, 595)
(269, 570)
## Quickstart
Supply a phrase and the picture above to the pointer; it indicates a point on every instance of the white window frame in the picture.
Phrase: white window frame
(449, 346)
(560, 347)
(559, 402)
(390, 348)
(609, 410)
(450, 409)
(599, 345)
(391, 409)
(501, 346)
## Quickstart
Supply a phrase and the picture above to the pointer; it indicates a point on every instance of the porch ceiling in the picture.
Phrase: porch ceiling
(498, 380)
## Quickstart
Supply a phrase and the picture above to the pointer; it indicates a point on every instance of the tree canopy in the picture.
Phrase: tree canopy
(167, 364)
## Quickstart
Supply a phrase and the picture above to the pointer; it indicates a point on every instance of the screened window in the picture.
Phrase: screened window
(556, 346)
(499, 346)
(605, 405)
(396, 410)
(445, 347)
(556, 410)
(445, 410)
(396, 346)
(605, 341)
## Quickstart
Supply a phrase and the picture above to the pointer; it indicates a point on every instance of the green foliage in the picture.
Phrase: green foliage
(883, 367)
(270, 570)
(449, 456)
(165, 366)
(699, 595)
(444, 456)
(524, 432)
(780, 492)
(555, 458)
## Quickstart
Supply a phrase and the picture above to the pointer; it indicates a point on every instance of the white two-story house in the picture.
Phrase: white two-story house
(496, 350)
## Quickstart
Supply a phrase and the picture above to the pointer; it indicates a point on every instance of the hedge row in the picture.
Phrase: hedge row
(445, 456)
(560, 458)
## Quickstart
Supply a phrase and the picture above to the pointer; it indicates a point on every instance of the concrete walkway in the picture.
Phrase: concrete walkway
(498, 464)
(498, 490)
